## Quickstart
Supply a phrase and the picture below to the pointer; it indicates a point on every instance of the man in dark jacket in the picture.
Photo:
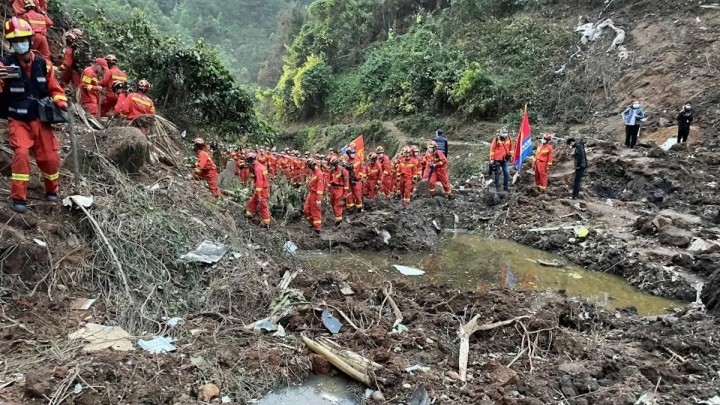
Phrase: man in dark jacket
(442, 142)
(580, 164)
(684, 120)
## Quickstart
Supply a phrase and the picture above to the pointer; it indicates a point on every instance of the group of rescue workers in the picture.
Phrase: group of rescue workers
(29, 86)
(345, 177)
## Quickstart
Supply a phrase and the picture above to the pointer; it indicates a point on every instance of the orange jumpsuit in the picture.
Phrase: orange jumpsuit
(19, 6)
(25, 131)
(272, 164)
(313, 202)
(354, 199)
(259, 200)
(70, 77)
(406, 173)
(339, 188)
(90, 91)
(134, 105)
(206, 170)
(543, 161)
(374, 179)
(436, 170)
(40, 24)
(387, 178)
(110, 100)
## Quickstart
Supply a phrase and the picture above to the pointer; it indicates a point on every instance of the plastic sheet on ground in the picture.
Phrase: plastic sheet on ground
(82, 200)
(100, 337)
(408, 271)
(208, 252)
(158, 345)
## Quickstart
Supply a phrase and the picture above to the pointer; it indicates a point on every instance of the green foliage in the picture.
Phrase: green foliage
(311, 85)
(345, 96)
(191, 86)
(476, 94)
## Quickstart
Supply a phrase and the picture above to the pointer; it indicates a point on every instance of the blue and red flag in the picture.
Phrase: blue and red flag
(523, 145)
(359, 144)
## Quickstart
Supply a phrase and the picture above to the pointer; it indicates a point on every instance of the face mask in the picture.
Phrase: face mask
(544, 141)
(636, 105)
(21, 48)
(503, 135)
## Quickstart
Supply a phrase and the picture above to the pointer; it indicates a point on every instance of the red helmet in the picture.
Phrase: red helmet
(17, 28)
(432, 144)
(414, 148)
(117, 85)
(373, 156)
(196, 141)
(547, 137)
(29, 4)
(143, 85)
(334, 160)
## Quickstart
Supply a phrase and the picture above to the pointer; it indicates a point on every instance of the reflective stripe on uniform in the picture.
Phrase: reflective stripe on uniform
(53, 176)
(20, 177)
(116, 77)
(141, 101)
(59, 97)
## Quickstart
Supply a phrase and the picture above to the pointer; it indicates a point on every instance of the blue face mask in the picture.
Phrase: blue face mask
(21, 48)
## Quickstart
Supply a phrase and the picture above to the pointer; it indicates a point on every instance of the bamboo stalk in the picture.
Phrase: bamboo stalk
(338, 362)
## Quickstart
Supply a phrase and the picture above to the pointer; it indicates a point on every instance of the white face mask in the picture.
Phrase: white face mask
(21, 48)
(636, 105)
(544, 141)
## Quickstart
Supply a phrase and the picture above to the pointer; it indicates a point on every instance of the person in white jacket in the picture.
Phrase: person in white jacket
(633, 116)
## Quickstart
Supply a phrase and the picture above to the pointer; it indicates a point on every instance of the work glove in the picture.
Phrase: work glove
(61, 104)
(318, 202)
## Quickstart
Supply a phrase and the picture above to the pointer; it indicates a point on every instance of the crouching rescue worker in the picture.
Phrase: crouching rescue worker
(436, 170)
(205, 168)
(313, 202)
(259, 202)
(137, 103)
(28, 80)
(542, 162)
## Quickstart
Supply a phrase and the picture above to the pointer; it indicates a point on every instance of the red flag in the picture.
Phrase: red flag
(359, 144)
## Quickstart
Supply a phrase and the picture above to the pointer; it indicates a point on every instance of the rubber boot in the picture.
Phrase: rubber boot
(52, 197)
(18, 206)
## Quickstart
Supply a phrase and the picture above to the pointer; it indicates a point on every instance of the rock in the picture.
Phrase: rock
(683, 260)
(502, 376)
(572, 368)
(661, 222)
(377, 396)
(208, 392)
(61, 372)
(454, 375)
(320, 365)
(592, 385)
(671, 236)
(567, 387)
(37, 385)
(711, 213)
(657, 153)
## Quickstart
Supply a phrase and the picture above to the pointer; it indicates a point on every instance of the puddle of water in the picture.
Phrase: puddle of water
(317, 390)
(471, 261)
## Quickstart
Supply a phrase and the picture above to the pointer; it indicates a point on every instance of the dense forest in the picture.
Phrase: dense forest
(242, 30)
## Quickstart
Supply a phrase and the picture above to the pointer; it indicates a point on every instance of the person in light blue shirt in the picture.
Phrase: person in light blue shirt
(633, 117)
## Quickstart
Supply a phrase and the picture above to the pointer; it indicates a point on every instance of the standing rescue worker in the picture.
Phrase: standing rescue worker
(436, 170)
(580, 164)
(388, 179)
(111, 75)
(258, 203)
(90, 88)
(70, 71)
(40, 24)
(442, 142)
(355, 169)
(339, 188)
(684, 119)
(313, 202)
(21, 93)
(374, 176)
(205, 168)
(633, 117)
(542, 162)
(406, 174)
(501, 153)
(18, 6)
(135, 104)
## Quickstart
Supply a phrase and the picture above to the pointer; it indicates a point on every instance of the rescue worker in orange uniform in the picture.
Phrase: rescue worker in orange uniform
(70, 73)
(339, 188)
(542, 162)
(406, 174)
(272, 161)
(355, 169)
(501, 154)
(418, 161)
(21, 93)
(137, 103)
(374, 176)
(40, 24)
(436, 170)
(111, 75)
(313, 202)
(205, 168)
(259, 202)
(90, 88)
(18, 6)
(387, 172)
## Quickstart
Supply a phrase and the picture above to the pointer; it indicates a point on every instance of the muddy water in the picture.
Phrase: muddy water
(317, 390)
(472, 262)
